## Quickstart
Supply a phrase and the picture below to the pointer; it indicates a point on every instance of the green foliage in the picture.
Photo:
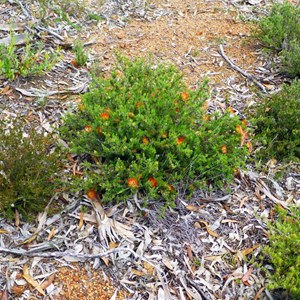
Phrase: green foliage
(277, 124)
(80, 55)
(145, 131)
(33, 60)
(280, 31)
(28, 170)
(68, 11)
(284, 252)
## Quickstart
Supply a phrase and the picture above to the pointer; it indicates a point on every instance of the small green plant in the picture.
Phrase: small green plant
(33, 60)
(284, 252)
(280, 32)
(277, 124)
(28, 170)
(80, 55)
(144, 131)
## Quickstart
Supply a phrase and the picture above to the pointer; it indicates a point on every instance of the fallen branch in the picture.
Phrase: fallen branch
(236, 68)
(33, 92)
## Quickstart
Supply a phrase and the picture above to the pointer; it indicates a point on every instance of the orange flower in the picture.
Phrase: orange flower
(180, 140)
(245, 122)
(81, 106)
(104, 116)
(239, 129)
(244, 138)
(119, 73)
(133, 183)
(232, 110)
(164, 135)
(92, 194)
(250, 146)
(88, 128)
(224, 149)
(206, 118)
(205, 105)
(145, 140)
(170, 188)
(244, 134)
(152, 181)
(236, 171)
(184, 96)
(139, 104)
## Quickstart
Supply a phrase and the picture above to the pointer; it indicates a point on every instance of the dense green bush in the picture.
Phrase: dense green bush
(28, 170)
(280, 31)
(145, 131)
(277, 124)
(284, 252)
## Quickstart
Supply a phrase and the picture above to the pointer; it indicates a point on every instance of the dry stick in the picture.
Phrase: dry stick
(236, 68)
(25, 9)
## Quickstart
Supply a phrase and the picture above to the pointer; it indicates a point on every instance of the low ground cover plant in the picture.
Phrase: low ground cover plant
(277, 124)
(28, 170)
(32, 60)
(81, 56)
(144, 131)
(284, 252)
(280, 32)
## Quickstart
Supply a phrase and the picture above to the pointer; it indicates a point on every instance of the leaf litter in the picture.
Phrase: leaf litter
(199, 250)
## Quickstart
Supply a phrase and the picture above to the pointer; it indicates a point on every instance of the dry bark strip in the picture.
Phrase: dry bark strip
(238, 69)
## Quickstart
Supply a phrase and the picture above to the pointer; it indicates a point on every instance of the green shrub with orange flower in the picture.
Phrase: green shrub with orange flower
(143, 131)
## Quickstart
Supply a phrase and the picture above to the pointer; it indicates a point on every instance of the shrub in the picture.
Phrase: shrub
(28, 170)
(284, 252)
(280, 32)
(277, 124)
(80, 55)
(145, 131)
(33, 60)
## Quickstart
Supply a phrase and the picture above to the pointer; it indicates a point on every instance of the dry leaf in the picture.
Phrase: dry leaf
(5, 90)
(138, 273)
(17, 218)
(105, 260)
(47, 282)
(18, 290)
(29, 240)
(31, 280)
(193, 208)
(230, 221)
(3, 231)
(246, 276)
(51, 234)
(148, 268)
(4, 295)
(190, 252)
(81, 215)
(209, 231)
(113, 245)
(247, 251)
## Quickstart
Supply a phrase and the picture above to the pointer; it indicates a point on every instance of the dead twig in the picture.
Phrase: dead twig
(238, 69)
